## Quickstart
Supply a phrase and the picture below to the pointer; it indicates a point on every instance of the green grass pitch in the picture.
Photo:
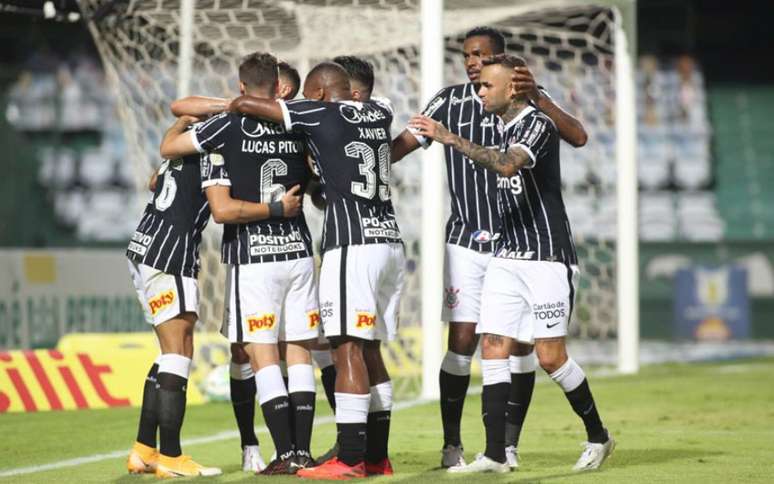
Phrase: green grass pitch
(702, 423)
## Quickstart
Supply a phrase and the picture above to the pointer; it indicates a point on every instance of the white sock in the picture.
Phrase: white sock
(523, 364)
(270, 384)
(381, 397)
(352, 407)
(323, 358)
(241, 371)
(569, 376)
(301, 378)
(496, 371)
(175, 364)
(456, 364)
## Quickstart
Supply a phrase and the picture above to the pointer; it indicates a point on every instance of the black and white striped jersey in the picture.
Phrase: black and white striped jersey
(473, 189)
(350, 142)
(534, 221)
(260, 161)
(170, 229)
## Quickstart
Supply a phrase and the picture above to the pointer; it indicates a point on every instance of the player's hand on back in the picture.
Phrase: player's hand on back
(523, 83)
(291, 202)
(430, 128)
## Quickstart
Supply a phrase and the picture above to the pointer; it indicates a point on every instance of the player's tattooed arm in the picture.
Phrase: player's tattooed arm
(199, 106)
(570, 129)
(228, 210)
(505, 164)
(177, 142)
(267, 109)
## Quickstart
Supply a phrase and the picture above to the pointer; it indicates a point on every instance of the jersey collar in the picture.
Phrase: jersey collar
(524, 112)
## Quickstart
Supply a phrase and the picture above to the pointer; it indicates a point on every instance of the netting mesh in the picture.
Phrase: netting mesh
(569, 49)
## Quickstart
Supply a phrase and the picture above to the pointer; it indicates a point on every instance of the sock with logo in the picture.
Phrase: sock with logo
(378, 425)
(302, 402)
(454, 380)
(149, 420)
(522, 385)
(494, 398)
(273, 397)
(351, 425)
(242, 384)
(573, 381)
(324, 362)
(172, 380)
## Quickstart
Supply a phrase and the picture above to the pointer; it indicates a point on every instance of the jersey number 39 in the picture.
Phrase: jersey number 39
(368, 159)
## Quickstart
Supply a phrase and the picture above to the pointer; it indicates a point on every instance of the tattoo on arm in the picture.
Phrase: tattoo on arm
(506, 164)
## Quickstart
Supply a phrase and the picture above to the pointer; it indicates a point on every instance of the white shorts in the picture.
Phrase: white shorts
(527, 300)
(163, 296)
(269, 302)
(463, 280)
(360, 288)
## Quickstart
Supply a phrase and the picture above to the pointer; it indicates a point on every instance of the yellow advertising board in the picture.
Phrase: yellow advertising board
(102, 370)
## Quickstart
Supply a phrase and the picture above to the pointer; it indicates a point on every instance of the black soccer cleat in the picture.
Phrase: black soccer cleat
(283, 465)
(303, 460)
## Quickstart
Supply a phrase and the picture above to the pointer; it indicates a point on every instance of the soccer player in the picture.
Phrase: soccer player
(271, 285)
(470, 234)
(362, 270)
(529, 287)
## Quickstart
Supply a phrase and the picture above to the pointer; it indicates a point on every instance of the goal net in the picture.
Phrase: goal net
(568, 45)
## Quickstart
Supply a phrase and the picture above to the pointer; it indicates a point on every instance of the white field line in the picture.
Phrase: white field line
(225, 435)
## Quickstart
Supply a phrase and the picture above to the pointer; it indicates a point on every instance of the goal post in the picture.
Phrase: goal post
(581, 51)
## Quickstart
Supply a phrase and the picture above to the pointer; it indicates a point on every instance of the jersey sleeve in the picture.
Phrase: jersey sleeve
(210, 135)
(534, 139)
(214, 171)
(436, 109)
(303, 114)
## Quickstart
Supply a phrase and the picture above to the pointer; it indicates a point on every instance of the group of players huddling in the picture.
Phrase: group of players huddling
(509, 275)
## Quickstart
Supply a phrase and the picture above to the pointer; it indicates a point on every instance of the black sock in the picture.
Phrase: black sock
(171, 394)
(291, 414)
(302, 416)
(329, 383)
(276, 414)
(378, 434)
(243, 401)
(453, 391)
(582, 403)
(149, 421)
(352, 441)
(520, 395)
(494, 401)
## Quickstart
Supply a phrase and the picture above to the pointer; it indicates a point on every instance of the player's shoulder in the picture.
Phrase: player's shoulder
(536, 114)
(383, 103)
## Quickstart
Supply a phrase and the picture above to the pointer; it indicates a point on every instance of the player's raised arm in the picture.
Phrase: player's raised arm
(228, 210)
(267, 109)
(177, 142)
(570, 129)
(504, 163)
(199, 106)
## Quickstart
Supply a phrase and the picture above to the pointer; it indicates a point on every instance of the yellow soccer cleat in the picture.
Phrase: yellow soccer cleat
(183, 466)
(142, 459)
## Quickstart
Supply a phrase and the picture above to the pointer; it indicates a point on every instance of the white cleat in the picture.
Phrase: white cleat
(252, 460)
(481, 464)
(452, 455)
(594, 455)
(512, 456)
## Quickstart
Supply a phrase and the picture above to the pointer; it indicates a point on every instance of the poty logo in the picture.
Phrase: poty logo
(260, 323)
(482, 236)
(314, 318)
(365, 320)
(160, 301)
(358, 113)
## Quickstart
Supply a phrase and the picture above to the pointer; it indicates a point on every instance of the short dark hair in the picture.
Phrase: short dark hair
(358, 69)
(291, 74)
(497, 39)
(258, 69)
(506, 60)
